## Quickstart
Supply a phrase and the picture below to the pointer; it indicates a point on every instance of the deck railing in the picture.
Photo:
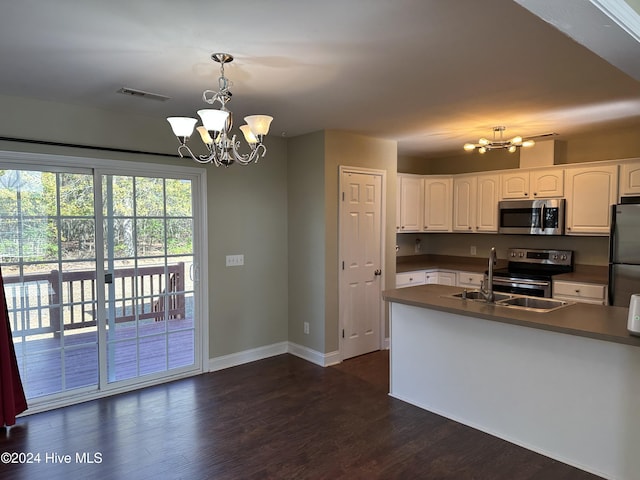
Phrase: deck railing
(42, 303)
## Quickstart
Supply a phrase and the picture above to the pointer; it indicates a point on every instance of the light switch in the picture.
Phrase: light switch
(235, 260)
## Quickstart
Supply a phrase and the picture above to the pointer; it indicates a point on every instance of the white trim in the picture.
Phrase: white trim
(313, 356)
(266, 351)
(246, 356)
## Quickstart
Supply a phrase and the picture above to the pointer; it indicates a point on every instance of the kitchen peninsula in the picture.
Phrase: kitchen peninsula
(564, 383)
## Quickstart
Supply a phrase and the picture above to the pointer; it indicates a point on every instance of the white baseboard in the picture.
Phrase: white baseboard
(313, 356)
(246, 356)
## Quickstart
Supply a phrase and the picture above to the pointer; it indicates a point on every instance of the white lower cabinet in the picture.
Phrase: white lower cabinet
(420, 277)
(447, 278)
(469, 279)
(580, 292)
(409, 279)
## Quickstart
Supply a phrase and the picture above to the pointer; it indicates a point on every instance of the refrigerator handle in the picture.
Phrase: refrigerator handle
(610, 289)
(612, 230)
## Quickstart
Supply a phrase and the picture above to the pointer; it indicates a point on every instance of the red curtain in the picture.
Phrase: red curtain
(12, 399)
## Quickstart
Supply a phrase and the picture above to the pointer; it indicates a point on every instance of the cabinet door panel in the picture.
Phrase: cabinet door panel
(547, 183)
(464, 204)
(590, 194)
(437, 210)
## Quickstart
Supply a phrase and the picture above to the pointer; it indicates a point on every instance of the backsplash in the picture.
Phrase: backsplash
(588, 250)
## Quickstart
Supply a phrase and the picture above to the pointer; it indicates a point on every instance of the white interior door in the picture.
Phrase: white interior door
(361, 261)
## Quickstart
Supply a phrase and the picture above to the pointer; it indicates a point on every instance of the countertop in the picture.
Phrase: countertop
(582, 273)
(593, 321)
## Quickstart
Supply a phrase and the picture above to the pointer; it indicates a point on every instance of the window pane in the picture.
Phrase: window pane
(149, 197)
(178, 198)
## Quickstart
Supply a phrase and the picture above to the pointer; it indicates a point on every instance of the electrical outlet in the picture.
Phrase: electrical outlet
(235, 260)
(306, 328)
(473, 250)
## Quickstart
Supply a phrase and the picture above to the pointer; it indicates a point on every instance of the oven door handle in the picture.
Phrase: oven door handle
(497, 281)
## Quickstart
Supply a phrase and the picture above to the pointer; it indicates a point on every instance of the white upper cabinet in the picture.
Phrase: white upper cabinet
(515, 185)
(590, 193)
(630, 178)
(488, 194)
(464, 203)
(410, 203)
(437, 207)
(545, 183)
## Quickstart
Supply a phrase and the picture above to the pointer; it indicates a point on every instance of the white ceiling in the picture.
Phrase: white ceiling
(431, 74)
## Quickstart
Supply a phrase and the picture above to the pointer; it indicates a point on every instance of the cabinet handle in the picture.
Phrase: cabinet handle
(525, 194)
(577, 290)
(535, 193)
(469, 227)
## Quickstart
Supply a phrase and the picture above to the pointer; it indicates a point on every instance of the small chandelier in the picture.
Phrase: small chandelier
(485, 145)
(217, 124)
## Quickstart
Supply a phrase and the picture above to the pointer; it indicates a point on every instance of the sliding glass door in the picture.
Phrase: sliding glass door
(149, 264)
(99, 277)
(48, 258)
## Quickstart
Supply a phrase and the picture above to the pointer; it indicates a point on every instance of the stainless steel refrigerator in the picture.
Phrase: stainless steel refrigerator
(624, 253)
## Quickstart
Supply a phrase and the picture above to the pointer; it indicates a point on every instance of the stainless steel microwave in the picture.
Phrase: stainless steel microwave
(532, 217)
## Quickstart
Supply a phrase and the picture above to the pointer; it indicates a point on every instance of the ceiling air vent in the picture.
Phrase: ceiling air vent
(142, 94)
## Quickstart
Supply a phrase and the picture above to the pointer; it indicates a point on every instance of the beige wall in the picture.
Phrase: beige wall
(588, 250)
(306, 239)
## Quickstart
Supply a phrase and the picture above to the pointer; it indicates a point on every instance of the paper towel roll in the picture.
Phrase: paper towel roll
(633, 324)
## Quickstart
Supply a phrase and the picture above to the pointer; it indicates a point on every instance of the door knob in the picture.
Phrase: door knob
(377, 272)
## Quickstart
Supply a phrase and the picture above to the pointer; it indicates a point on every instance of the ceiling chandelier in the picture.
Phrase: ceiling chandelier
(484, 145)
(217, 124)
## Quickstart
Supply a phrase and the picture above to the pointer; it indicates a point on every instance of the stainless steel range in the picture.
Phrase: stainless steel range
(530, 271)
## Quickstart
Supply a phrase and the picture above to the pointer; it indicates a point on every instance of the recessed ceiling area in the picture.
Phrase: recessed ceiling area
(430, 74)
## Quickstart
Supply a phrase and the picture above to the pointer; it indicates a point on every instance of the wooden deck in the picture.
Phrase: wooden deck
(61, 363)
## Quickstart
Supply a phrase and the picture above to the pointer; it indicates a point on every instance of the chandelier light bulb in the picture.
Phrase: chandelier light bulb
(483, 141)
(213, 120)
(512, 148)
(248, 134)
(182, 126)
(469, 146)
(204, 135)
(259, 124)
(516, 140)
(528, 143)
(482, 150)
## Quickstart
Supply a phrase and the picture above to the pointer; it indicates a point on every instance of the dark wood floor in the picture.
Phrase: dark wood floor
(277, 418)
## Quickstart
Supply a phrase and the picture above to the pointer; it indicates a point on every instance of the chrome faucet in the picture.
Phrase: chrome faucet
(487, 290)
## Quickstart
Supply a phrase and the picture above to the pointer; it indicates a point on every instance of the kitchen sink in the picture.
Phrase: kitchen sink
(534, 303)
(522, 302)
(476, 295)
